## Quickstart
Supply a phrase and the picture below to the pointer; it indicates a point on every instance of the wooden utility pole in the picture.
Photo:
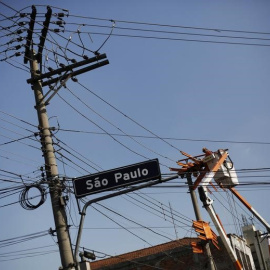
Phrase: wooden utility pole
(58, 206)
(199, 217)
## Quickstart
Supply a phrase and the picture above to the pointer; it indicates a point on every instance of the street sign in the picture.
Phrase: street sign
(120, 177)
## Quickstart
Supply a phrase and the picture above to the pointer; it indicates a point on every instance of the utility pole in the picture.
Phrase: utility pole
(199, 217)
(51, 169)
(58, 206)
(258, 238)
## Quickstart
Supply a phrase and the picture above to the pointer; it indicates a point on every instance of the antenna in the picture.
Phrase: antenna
(173, 222)
(245, 221)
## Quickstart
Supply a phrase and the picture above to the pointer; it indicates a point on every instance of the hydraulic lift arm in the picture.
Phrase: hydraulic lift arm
(207, 202)
(250, 208)
(216, 166)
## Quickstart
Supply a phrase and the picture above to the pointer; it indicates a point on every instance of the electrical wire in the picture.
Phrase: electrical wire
(164, 138)
(68, 159)
(51, 42)
(67, 151)
(9, 122)
(19, 252)
(91, 121)
(160, 216)
(12, 175)
(118, 128)
(130, 227)
(123, 259)
(23, 238)
(28, 255)
(66, 39)
(20, 156)
(128, 219)
(66, 164)
(168, 32)
(16, 140)
(25, 200)
(18, 63)
(170, 25)
(140, 29)
(126, 116)
(72, 149)
(154, 137)
(15, 160)
(163, 213)
(158, 204)
(19, 201)
(19, 141)
(19, 119)
(120, 225)
(164, 252)
(184, 39)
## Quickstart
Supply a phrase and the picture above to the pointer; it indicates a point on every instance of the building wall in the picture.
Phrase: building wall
(179, 258)
(243, 252)
(261, 252)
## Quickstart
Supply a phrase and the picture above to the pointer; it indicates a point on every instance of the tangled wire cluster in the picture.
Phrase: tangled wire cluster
(25, 200)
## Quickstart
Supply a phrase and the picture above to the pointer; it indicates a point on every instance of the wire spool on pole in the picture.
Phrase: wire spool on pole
(25, 200)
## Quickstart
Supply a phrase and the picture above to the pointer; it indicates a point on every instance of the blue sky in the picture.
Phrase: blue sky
(208, 91)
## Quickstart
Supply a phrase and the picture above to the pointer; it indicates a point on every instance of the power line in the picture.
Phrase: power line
(128, 219)
(26, 129)
(23, 250)
(184, 39)
(164, 138)
(91, 121)
(15, 117)
(20, 156)
(21, 239)
(27, 255)
(94, 164)
(165, 32)
(129, 118)
(170, 25)
(164, 252)
(73, 155)
(68, 159)
(161, 205)
(17, 140)
(124, 259)
(118, 128)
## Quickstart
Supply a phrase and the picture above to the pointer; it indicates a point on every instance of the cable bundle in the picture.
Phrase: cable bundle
(25, 199)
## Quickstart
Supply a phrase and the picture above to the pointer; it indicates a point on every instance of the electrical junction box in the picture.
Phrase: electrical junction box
(226, 175)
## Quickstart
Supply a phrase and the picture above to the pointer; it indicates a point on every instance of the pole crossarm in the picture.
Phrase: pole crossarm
(75, 73)
(67, 68)
(44, 32)
(30, 34)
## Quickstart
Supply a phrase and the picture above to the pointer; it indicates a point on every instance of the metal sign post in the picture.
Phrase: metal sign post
(121, 192)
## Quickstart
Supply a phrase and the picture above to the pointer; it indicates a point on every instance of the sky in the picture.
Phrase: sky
(194, 73)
